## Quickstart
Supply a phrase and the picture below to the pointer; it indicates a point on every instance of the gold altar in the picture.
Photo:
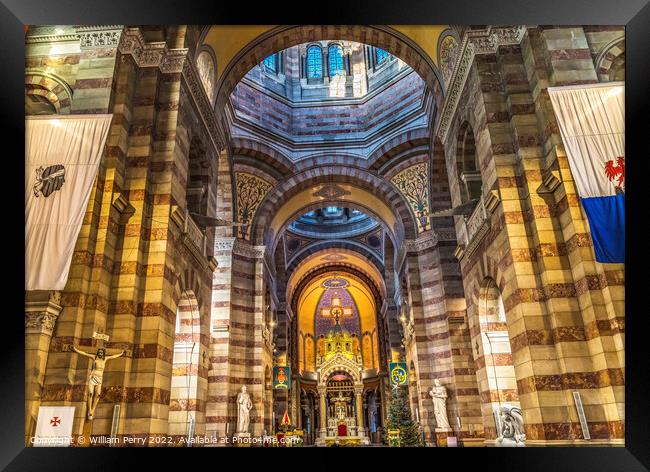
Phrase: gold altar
(340, 388)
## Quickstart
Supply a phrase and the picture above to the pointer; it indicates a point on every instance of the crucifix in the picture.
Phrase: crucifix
(336, 310)
(96, 377)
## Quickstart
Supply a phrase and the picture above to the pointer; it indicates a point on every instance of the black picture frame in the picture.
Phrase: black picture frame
(635, 14)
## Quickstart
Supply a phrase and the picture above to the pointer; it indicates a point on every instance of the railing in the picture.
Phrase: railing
(475, 221)
(194, 234)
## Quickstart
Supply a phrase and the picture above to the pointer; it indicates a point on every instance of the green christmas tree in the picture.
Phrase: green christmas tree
(399, 417)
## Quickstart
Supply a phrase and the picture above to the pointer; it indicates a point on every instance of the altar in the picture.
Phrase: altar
(340, 388)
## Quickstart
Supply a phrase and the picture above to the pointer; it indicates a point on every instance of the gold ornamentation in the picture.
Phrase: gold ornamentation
(413, 184)
(449, 48)
(251, 190)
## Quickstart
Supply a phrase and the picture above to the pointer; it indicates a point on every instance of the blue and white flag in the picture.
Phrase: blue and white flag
(592, 125)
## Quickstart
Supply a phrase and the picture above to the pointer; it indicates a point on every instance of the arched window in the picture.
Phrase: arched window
(271, 63)
(336, 60)
(381, 55)
(469, 173)
(314, 62)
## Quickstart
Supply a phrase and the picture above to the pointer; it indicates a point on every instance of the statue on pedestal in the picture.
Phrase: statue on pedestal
(96, 377)
(439, 396)
(244, 406)
(512, 427)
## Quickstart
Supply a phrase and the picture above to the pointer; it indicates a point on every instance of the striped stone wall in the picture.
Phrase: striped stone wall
(564, 311)
(132, 255)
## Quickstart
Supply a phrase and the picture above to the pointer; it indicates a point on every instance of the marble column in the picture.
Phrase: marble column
(42, 308)
(323, 416)
(358, 390)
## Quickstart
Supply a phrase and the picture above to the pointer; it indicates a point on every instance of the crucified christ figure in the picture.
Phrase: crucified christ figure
(96, 377)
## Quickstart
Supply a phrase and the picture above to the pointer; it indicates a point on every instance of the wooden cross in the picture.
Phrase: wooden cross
(336, 310)
(101, 338)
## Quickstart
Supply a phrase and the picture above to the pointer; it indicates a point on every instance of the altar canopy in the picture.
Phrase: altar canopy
(592, 124)
(61, 162)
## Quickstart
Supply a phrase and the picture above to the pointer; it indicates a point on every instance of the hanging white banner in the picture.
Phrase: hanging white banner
(54, 426)
(61, 162)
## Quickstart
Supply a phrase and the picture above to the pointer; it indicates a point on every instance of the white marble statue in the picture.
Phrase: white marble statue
(244, 406)
(439, 396)
(512, 427)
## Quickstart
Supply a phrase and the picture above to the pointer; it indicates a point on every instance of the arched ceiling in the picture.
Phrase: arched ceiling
(333, 256)
(239, 48)
(332, 186)
(228, 40)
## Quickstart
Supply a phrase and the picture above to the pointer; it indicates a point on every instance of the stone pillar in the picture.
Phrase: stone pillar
(323, 415)
(94, 85)
(217, 399)
(42, 308)
(358, 391)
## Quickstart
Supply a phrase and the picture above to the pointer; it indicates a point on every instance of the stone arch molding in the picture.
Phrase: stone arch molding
(50, 86)
(283, 37)
(609, 55)
(337, 185)
(339, 363)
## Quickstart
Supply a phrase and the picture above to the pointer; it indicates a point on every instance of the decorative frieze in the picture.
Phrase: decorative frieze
(224, 244)
(331, 192)
(107, 36)
(475, 42)
(202, 103)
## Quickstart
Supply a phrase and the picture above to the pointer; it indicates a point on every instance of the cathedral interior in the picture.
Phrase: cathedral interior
(280, 196)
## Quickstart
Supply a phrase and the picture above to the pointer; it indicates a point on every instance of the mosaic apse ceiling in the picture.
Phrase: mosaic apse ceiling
(336, 305)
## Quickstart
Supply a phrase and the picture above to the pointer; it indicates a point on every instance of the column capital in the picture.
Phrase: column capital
(41, 311)
(247, 250)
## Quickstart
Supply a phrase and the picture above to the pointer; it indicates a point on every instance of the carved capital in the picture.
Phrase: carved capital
(420, 244)
(40, 322)
(155, 54)
(246, 250)
(173, 61)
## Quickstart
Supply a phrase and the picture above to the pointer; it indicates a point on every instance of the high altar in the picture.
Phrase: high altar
(340, 388)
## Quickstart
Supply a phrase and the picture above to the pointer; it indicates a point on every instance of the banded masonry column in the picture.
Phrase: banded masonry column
(216, 414)
(42, 308)
(588, 333)
(247, 346)
(86, 299)
(437, 335)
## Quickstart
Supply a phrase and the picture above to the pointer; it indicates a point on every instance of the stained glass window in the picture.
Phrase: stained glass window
(271, 62)
(381, 55)
(314, 63)
(336, 60)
